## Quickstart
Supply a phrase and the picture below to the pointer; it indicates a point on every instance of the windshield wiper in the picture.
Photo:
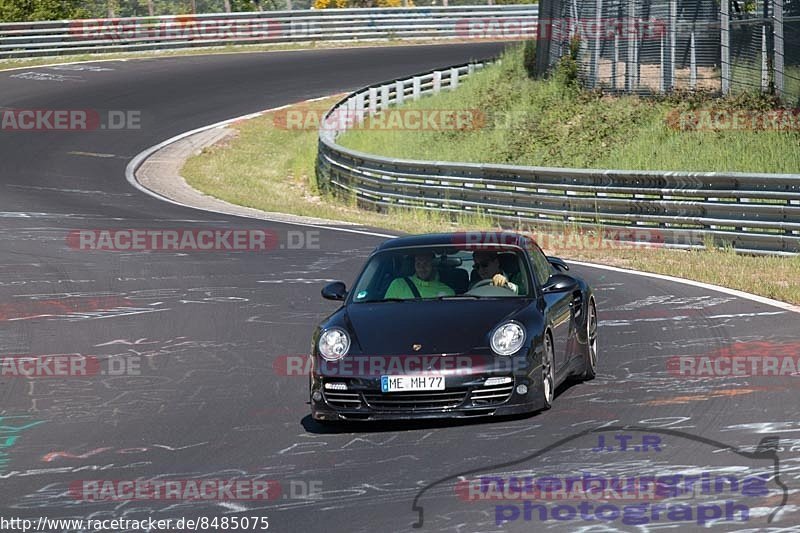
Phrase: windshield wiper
(459, 296)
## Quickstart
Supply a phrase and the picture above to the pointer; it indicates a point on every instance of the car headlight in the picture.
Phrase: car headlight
(508, 338)
(333, 344)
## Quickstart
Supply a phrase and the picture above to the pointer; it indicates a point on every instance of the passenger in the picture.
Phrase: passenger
(423, 284)
(488, 265)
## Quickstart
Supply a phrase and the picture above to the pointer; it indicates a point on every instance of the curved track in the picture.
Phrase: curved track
(208, 328)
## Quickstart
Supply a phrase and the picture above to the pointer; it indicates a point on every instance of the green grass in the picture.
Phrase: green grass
(552, 123)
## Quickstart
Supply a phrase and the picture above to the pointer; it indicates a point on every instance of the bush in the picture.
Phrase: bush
(529, 58)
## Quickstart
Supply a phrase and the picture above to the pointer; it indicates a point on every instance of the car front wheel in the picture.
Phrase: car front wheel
(590, 364)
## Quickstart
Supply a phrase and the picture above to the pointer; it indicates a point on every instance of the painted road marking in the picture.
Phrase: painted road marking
(92, 154)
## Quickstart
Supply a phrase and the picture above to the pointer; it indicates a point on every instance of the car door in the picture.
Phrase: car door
(559, 310)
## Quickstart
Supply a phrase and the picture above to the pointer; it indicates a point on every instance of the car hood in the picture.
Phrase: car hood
(446, 326)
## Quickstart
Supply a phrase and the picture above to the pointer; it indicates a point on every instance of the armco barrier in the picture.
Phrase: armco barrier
(29, 39)
(758, 213)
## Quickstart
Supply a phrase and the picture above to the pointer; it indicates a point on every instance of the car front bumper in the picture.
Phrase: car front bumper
(464, 396)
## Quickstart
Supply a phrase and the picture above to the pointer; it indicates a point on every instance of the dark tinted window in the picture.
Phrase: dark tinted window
(541, 267)
(454, 273)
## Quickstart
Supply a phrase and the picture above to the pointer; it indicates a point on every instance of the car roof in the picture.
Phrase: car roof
(470, 239)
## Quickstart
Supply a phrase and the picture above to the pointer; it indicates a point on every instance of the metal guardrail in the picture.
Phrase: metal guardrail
(29, 39)
(755, 213)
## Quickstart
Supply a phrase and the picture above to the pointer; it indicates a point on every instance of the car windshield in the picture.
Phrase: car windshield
(429, 273)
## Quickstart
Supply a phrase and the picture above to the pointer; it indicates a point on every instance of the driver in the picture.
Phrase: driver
(487, 263)
(423, 284)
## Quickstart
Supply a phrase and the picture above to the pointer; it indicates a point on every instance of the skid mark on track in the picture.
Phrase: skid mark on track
(81, 68)
(44, 76)
(63, 455)
(724, 393)
(789, 426)
(689, 317)
(672, 302)
(73, 469)
(96, 154)
(93, 192)
(32, 307)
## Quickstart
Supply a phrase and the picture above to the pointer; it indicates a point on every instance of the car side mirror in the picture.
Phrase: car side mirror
(334, 291)
(560, 283)
(559, 263)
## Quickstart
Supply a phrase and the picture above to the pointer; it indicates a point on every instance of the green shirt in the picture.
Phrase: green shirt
(427, 289)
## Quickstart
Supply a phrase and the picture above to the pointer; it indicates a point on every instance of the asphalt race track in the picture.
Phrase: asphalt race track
(211, 332)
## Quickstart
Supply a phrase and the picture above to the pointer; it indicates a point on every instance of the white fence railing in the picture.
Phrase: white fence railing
(29, 39)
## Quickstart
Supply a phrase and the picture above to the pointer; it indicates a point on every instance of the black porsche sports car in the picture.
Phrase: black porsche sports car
(452, 325)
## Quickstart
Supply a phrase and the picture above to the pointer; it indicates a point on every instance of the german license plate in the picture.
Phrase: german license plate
(411, 383)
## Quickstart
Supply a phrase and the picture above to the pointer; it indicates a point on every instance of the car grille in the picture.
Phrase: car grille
(343, 399)
(492, 395)
(416, 400)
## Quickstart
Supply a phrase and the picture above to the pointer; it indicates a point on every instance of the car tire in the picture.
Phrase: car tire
(590, 361)
(548, 373)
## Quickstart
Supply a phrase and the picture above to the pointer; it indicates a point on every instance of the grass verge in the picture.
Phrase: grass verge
(270, 166)
(555, 123)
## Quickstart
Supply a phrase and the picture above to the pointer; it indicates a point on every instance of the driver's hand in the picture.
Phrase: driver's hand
(499, 280)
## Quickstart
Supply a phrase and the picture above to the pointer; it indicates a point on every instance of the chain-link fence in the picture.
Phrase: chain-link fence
(656, 46)
(641, 46)
(751, 37)
(790, 48)
(764, 47)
